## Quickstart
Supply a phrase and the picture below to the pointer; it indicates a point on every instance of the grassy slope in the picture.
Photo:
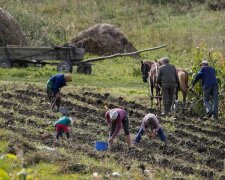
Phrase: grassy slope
(144, 25)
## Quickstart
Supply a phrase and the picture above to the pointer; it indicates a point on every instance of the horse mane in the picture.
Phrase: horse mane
(159, 61)
(147, 63)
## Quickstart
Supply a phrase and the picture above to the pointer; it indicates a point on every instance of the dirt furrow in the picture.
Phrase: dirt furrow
(196, 147)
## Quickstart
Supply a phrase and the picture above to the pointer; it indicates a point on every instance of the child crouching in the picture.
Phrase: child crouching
(62, 124)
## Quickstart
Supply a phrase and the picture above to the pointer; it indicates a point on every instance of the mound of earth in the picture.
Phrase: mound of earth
(10, 32)
(103, 39)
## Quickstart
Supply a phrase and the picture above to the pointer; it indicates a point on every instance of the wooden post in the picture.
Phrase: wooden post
(117, 55)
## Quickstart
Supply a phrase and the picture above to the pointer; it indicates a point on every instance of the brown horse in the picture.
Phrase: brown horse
(149, 73)
(150, 70)
(183, 83)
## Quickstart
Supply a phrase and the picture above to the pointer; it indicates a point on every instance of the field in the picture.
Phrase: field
(196, 147)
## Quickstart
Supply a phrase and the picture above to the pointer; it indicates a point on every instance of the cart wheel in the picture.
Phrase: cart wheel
(85, 69)
(5, 64)
(65, 66)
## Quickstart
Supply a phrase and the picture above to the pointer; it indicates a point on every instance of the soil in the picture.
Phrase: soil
(195, 147)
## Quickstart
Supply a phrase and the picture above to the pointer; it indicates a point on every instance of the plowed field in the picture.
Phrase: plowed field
(196, 147)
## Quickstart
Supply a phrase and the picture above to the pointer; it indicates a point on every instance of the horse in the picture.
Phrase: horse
(149, 70)
(183, 83)
(149, 73)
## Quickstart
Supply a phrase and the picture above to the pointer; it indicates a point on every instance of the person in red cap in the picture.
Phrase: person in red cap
(116, 118)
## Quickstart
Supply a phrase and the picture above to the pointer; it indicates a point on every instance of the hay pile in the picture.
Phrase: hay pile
(10, 32)
(103, 39)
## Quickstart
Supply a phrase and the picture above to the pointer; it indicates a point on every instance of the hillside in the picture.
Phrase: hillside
(196, 147)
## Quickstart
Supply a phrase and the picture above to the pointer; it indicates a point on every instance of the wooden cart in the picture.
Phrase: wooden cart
(13, 55)
(68, 56)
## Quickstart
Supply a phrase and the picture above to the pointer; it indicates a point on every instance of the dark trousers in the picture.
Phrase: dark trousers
(211, 107)
(125, 123)
(51, 98)
(60, 134)
(168, 93)
(60, 128)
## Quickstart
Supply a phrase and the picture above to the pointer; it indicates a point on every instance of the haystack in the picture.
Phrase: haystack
(103, 39)
(10, 32)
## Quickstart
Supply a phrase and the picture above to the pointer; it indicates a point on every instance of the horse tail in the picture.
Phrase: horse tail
(183, 80)
(186, 79)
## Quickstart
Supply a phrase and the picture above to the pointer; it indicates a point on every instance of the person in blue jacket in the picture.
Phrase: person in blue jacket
(54, 85)
(210, 88)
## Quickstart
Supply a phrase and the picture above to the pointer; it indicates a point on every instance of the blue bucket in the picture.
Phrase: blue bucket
(101, 146)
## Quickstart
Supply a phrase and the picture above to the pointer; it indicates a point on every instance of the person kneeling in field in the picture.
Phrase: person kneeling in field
(62, 124)
(150, 121)
(116, 118)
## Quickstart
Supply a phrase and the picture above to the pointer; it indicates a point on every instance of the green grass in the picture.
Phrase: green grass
(145, 25)
(4, 146)
(51, 171)
(120, 72)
